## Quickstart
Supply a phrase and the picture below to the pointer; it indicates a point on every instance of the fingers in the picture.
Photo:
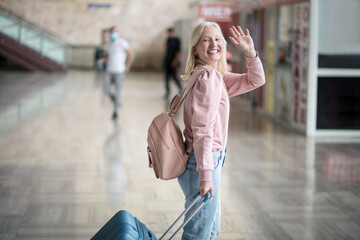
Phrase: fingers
(234, 41)
(204, 187)
(233, 32)
(203, 193)
(238, 32)
(211, 192)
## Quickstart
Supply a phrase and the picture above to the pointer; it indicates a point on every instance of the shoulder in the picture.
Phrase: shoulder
(123, 42)
(207, 73)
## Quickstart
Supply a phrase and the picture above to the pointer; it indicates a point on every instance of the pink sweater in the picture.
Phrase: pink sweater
(206, 109)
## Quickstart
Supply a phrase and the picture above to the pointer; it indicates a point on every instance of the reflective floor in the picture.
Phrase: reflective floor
(66, 167)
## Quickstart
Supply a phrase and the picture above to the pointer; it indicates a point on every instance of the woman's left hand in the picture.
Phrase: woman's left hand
(242, 41)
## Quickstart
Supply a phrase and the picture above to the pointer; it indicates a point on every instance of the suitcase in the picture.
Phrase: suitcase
(124, 226)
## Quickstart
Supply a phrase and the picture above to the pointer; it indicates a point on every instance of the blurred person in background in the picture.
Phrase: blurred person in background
(119, 57)
(172, 61)
(99, 56)
(206, 117)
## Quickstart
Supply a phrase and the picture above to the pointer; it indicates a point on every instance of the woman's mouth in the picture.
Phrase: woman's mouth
(213, 51)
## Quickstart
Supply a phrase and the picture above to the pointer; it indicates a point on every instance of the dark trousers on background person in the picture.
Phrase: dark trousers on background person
(171, 73)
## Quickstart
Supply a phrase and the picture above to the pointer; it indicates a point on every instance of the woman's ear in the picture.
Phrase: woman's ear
(194, 51)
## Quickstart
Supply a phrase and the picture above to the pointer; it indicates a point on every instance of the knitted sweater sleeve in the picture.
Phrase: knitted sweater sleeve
(242, 83)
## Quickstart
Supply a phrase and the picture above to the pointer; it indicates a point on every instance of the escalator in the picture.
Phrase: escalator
(29, 46)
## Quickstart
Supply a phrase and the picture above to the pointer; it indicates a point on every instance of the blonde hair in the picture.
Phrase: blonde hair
(192, 61)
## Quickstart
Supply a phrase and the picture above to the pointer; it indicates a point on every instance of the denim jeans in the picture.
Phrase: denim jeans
(205, 224)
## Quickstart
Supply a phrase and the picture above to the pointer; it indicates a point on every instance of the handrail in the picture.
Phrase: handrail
(37, 26)
(33, 37)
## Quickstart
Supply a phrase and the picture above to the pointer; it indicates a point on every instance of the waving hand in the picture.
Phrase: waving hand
(242, 41)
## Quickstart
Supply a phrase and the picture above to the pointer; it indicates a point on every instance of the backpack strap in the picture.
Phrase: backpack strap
(176, 104)
(178, 100)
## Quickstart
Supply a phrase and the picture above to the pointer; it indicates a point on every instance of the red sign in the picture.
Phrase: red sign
(215, 12)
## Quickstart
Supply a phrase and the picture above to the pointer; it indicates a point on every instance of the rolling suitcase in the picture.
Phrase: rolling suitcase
(124, 226)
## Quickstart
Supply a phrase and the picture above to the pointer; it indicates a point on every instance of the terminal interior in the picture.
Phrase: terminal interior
(292, 169)
(66, 167)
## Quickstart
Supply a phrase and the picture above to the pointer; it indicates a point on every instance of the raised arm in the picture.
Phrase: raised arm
(255, 77)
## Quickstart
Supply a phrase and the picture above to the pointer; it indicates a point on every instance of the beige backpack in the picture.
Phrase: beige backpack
(166, 149)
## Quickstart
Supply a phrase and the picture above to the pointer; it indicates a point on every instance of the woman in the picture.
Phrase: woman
(206, 115)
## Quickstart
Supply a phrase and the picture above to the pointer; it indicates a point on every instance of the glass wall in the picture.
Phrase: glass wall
(33, 38)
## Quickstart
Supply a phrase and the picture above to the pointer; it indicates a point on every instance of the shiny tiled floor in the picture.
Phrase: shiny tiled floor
(66, 167)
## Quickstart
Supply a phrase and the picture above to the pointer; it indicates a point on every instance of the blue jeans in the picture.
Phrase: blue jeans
(205, 224)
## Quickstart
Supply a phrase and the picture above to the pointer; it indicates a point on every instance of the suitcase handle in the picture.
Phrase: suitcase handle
(207, 197)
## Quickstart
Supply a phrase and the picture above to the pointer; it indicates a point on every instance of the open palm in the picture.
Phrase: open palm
(241, 40)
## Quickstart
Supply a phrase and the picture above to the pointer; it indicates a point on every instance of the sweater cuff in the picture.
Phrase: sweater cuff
(253, 60)
(205, 176)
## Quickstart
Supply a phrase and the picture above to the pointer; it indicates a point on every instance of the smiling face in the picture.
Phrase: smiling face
(210, 46)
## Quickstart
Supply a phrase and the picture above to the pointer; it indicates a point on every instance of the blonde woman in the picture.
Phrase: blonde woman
(206, 116)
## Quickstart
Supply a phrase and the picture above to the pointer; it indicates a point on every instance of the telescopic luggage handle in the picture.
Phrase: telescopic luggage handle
(207, 197)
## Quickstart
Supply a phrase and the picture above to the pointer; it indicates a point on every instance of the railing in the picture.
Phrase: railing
(33, 37)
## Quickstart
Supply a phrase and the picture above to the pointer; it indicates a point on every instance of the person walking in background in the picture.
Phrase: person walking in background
(206, 117)
(172, 61)
(119, 57)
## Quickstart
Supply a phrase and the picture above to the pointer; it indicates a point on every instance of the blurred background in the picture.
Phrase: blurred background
(293, 168)
(310, 49)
